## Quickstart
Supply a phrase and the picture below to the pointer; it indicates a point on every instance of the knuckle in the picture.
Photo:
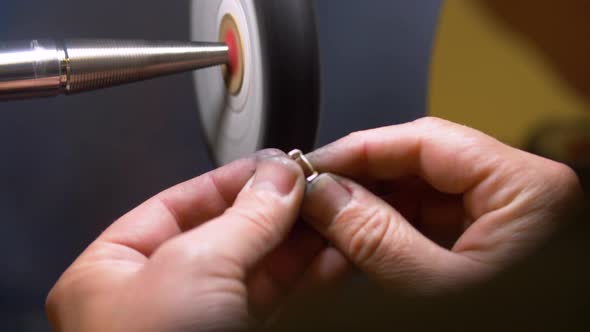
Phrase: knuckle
(568, 177)
(64, 290)
(183, 251)
(360, 139)
(271, 152)
(54, 303)
(201, 259)
(431, 122)
(358, 136)
(567, 180)
(368, 232)
(216, 192)
(53, 300)
(72, 290)
(260, 218)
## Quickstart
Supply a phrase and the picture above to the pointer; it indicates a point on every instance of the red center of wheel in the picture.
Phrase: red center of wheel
(234, 53)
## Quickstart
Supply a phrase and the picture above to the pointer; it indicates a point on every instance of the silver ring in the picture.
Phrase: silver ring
(308, 169)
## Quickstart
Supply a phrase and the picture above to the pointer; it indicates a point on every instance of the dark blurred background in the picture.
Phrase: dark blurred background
(72, 165)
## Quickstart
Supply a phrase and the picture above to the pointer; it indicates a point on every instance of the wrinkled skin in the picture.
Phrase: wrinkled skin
(453, 205)
(425, 207)
(218, 252)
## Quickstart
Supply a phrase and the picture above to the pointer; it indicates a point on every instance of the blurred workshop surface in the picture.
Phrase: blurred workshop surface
(495, 66)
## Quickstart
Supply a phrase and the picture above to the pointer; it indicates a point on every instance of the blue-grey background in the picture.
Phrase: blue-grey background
(69, 166)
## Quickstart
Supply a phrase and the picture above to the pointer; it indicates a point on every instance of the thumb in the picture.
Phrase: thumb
(259, 219)
(376, 238)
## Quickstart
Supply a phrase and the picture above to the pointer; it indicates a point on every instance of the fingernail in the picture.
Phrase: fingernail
(325, 197)
(268, 153)
(277, 174)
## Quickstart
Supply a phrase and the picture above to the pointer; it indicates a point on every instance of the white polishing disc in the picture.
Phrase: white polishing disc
(259, 114)
(232, 123)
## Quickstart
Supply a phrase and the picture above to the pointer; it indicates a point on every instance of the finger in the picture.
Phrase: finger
(452, 158)
(327, 272)
(283, 269)
(511, 194)
(442, 218)
(287, 264)
(183, 207)
(439, 216)
(259, 220)
(328, 269)
(377, 239)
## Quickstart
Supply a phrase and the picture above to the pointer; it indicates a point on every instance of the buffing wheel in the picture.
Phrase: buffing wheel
(268, 95)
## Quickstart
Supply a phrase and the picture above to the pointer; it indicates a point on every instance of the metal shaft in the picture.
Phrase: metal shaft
(40, 68)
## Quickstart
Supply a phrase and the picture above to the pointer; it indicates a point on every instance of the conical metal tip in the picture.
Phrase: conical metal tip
(96, 64)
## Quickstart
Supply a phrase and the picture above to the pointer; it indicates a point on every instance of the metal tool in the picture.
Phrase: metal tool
(41, 68)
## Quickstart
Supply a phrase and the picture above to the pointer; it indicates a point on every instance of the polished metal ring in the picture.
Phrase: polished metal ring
(308, 170)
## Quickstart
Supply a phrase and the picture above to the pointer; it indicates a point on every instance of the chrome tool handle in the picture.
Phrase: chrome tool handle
(40, 68)
(30, 69)
(99, 63)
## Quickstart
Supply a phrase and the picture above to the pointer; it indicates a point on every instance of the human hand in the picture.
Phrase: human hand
(448, 205)
(209, 254)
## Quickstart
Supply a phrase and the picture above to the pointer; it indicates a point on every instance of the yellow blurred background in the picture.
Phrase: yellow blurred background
(486, 76)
